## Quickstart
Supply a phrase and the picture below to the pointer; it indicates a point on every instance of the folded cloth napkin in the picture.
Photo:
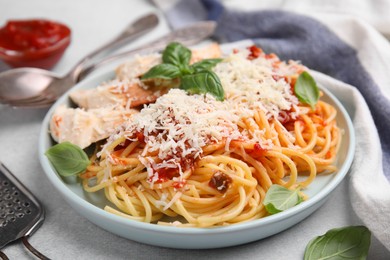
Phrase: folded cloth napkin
(356, 59)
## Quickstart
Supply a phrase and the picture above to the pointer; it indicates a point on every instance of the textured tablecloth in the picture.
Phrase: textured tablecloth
(67, 235)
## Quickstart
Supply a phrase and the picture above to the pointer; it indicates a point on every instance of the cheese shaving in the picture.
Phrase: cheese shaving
(178, 126)
(258, 83)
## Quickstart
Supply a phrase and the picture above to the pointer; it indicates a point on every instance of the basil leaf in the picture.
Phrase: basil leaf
(162, 71)
(68, 159)
(204, 82)
(206, 64)
(306, 89)
(340, 243)
(186, 69)
(176, 54)
(196, 78)
(279, 198)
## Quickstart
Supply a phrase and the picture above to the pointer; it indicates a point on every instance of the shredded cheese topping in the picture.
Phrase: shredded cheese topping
(258, 82)
(177, 126)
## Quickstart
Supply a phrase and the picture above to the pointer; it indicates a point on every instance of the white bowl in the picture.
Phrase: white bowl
(91, 205)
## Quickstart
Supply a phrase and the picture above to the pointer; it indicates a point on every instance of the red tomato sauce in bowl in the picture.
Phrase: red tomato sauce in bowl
(33, 43)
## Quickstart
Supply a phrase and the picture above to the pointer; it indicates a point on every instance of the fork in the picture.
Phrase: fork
(188, 36)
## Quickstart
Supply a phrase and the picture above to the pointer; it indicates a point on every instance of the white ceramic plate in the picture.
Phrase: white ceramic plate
(91, 205)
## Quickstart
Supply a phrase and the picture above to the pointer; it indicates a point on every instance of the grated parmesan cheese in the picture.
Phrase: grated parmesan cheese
(258, 83)
(177, 126)
(173, 200)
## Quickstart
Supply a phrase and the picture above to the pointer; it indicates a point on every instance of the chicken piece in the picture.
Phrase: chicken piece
(82, 127)
(135, 68)
(124, 93)
(127, 90)
(211, 51)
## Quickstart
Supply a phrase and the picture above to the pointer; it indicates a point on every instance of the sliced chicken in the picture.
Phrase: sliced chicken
(124, 93)
(135, 68)
(127, 90)
(82, 127)
(211, 51)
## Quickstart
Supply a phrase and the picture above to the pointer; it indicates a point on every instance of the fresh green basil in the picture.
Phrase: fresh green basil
(203, 82)
(197, 78)
(206, 64)
(279, 198)
(186, 69)
(350, 242)
(163, 71)
(176, 54)
(68, 159)
(306, 89)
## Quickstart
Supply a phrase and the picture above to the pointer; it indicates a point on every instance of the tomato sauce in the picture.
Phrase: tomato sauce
(165, 174)
(255, 52)
(34, 43)
(220, 181)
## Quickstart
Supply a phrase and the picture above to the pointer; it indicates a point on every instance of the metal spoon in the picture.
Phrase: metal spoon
(23, 83)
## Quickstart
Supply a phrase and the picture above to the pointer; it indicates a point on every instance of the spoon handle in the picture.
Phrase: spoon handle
(134, 30)
(190, 35)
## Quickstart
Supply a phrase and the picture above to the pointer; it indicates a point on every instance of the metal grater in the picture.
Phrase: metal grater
(20, 212)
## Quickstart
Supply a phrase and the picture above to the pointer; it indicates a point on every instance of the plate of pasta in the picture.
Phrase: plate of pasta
(198, 148)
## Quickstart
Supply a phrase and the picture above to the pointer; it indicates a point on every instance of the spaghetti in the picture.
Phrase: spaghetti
(189, 160)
